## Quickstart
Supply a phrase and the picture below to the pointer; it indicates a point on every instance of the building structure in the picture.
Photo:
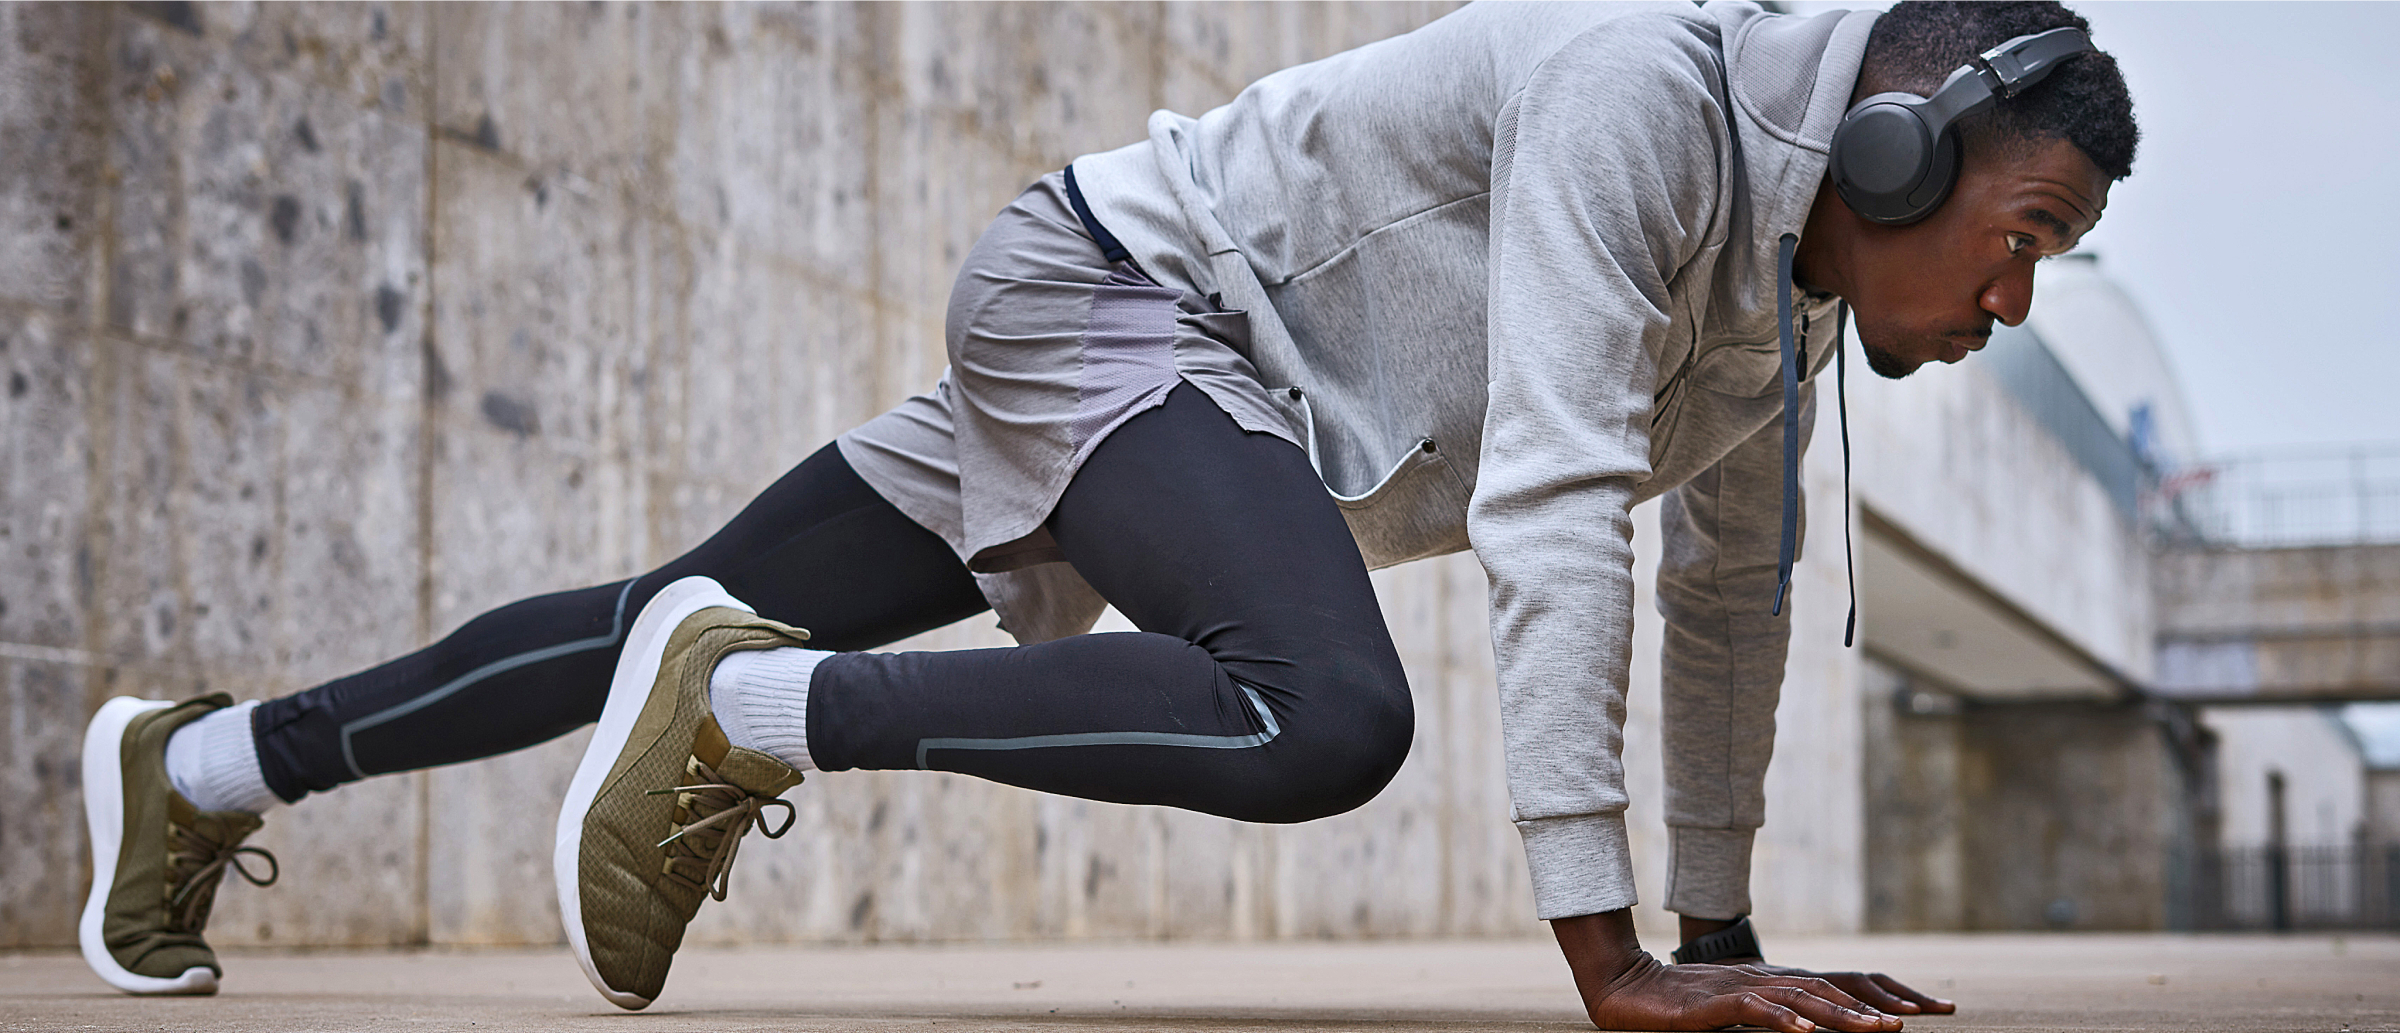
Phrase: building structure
(2091, 674)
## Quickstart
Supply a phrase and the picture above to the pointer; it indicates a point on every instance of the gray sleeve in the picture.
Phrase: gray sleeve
(1722, 665)
(1606, 172)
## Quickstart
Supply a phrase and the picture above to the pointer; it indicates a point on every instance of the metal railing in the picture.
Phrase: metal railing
(2318, 497)
(2288, 888)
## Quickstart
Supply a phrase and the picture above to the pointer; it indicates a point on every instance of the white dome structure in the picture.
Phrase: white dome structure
(2102, 339)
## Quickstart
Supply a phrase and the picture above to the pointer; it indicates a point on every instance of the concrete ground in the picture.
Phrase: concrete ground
(2001, 982)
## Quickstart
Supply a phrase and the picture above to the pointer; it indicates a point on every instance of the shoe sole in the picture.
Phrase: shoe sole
(104, 818)
(628, 692)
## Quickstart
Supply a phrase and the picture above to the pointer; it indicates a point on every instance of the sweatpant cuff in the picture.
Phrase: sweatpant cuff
(1581, 864)
(1708, 871)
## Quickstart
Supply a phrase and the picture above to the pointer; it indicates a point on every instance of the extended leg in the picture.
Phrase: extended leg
(819, 549)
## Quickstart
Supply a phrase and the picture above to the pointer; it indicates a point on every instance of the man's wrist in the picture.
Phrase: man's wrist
(1692, 928)
(1732, 943)
(1599, 947)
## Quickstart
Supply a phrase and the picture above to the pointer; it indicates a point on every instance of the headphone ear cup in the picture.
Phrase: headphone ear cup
(1884, 156)
(1939, 179)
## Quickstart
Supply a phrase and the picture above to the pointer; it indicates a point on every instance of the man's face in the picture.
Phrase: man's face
(1930, 290)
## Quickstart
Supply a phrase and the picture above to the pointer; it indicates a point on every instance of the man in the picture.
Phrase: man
(1492, 283)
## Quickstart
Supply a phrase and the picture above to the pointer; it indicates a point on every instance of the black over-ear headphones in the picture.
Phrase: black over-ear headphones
(1895, 156)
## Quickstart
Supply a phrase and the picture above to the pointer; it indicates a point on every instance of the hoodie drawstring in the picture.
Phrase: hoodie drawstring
(1841, 400)
(1791, 419)
(1791, 436)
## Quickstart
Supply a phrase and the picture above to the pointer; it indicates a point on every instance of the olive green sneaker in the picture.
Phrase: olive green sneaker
(156, 859)
(661, 801)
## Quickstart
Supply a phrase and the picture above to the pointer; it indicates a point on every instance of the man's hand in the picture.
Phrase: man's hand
(1875, 989)
(1625, 989)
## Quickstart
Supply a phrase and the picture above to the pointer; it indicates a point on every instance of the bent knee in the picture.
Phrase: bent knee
(1328, 761)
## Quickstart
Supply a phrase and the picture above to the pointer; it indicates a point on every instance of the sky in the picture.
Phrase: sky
(2378, 728)
(2260, 231)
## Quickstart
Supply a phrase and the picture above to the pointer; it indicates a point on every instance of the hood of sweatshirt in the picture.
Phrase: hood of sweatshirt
(1790, 80)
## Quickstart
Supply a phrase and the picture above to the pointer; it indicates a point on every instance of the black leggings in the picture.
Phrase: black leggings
(1264, 685)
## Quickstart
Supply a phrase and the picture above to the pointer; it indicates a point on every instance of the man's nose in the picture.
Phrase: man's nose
(2009, 297)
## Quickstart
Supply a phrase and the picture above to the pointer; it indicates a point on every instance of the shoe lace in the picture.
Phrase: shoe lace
(711, 816)
(196, 865)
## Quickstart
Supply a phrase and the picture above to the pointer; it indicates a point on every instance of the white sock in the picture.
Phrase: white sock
(213, 763)
(760, 698)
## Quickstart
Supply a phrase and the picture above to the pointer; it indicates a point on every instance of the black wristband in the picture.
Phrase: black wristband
(1733, 942)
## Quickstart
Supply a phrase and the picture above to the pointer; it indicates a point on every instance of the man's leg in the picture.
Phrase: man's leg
(1264, 685)
(171, 791)
(819, 550)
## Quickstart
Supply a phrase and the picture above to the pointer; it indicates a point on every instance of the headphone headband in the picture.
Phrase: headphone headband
(2023, 61)
(1895, 156)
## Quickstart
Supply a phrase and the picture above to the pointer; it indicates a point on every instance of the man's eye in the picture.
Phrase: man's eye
(2018, 243)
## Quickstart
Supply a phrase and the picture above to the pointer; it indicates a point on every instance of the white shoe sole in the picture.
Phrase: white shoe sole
(104, 817)
(628, 691)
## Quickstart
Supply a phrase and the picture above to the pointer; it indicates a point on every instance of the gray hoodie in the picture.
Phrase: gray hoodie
(1522, 265)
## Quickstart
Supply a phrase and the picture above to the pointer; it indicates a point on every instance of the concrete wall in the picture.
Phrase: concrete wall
(1950, 457)
(2324, 779)
(2383, 807)
(2017, 815)
(2303, 623)
(1916, 865)
(326, 327)
(2073, 817)
(2010, 807)
(2101, 336)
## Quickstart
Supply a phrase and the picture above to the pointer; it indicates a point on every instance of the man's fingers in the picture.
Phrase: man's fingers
(1822, 988)
(1823, 1012)
(1869, 988)
(1919, 998)
(1754, 1010)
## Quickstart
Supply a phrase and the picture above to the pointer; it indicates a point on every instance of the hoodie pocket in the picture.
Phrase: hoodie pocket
(1418, 509)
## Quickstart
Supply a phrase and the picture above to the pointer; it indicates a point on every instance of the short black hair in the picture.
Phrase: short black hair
(1918, 43)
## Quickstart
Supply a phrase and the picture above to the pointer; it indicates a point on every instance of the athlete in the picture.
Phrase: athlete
(1483, 286)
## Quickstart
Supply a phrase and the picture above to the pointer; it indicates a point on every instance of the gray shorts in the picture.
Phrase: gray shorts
(1051, 348)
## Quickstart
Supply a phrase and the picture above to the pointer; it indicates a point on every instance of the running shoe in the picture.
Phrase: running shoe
(661, 801)
(156, 859)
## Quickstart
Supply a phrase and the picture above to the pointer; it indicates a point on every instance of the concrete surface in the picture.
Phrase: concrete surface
(2294, 624)
(2002, 982)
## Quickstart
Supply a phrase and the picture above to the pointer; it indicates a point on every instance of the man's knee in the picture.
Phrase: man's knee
(1331, 759)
